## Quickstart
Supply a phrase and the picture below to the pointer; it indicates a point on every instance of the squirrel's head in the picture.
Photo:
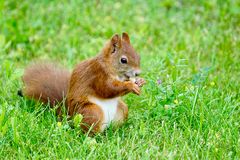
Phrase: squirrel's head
(123, 58)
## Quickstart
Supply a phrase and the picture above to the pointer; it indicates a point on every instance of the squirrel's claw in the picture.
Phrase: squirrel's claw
(140, 82)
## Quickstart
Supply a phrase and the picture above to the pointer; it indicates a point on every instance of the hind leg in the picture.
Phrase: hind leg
(122, 113)
(92, 118)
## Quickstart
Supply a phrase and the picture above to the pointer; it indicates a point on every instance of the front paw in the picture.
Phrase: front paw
(140, 82)
(134, 88)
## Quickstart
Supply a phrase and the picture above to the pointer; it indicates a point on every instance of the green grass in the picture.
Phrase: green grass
(193, 47)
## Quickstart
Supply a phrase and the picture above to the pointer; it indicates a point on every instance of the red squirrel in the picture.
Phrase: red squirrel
(95, 86)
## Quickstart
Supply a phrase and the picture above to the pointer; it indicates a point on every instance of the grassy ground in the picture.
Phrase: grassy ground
(192, 47)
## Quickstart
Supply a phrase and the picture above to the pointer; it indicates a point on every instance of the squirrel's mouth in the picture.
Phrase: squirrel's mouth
(126, 76)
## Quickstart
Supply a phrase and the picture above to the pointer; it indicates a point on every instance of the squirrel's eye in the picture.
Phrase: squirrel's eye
(123, 60)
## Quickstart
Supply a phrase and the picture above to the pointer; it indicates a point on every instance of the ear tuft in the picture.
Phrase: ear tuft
(125, 37)
(115, 39)
(115, 43)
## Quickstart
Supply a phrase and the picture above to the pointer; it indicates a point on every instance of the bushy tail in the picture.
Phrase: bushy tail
(46, 82)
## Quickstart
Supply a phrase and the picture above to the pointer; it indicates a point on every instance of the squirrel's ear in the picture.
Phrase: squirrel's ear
(125, 37)
(115, 43)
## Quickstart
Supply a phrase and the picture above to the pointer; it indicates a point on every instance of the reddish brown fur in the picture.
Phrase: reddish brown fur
(96, 77)
(46, 82)
(92, 118)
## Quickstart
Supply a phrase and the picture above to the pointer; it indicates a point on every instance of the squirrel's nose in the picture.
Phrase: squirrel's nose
(137, 73)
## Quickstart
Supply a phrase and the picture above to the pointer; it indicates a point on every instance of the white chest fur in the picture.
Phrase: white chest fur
(109, 108)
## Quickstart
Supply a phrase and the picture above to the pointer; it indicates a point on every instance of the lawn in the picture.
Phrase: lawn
(190, 57)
